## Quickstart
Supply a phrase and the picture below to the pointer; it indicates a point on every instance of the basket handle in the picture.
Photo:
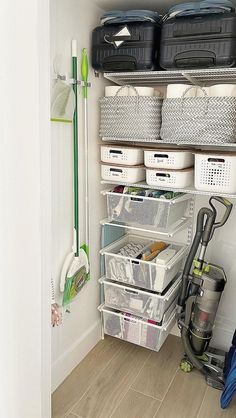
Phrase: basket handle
(205, 111)
(129, 87)
(193, 87)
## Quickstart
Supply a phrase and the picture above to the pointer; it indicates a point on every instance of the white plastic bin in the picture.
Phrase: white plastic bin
(148, 305)
(121, 173)
(113, 154)
(136, 330)
(170, 178)
(148, 212)
(149, 275)
(215, 172)
(168, 158)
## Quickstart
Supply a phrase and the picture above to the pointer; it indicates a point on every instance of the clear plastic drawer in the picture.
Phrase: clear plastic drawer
(149, 305)
(147, 212)
(137, 330)
(151, 275)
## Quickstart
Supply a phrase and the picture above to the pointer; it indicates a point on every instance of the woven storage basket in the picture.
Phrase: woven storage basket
(199, 120)
(131, 118)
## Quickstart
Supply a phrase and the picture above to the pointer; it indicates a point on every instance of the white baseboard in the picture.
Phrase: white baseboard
(75, 354)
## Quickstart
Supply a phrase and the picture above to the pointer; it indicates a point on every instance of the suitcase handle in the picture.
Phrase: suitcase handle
(196, 31)
(188, 59)
(110, 39)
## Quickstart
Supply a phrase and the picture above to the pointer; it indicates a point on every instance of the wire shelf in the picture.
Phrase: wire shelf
(160, 143)
(184, 223)
(190, 190)
(199, 77)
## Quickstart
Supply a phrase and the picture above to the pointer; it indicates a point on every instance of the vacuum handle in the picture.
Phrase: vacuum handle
(228, 205)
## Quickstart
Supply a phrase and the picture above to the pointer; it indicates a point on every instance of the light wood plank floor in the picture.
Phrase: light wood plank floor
(122, 380)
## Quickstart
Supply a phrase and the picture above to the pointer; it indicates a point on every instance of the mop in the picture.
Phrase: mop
(76, 267)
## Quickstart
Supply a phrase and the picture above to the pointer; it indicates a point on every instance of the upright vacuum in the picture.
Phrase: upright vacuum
(202, 286)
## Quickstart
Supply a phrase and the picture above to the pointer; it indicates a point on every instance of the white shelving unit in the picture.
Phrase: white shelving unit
(190, 190)
(161, 78)
(198, 77)
(184, 223)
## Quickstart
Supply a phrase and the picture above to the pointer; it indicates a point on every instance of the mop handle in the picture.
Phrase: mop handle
(75, 135)
(84, 74)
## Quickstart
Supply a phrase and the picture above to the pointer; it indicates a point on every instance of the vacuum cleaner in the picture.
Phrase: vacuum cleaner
(202, 286)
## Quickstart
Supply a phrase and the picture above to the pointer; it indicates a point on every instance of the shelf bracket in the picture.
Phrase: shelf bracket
(191, 79)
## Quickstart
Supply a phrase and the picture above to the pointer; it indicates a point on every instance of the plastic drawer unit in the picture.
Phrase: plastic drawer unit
(139, 302)
(151, 275)
(151, 213)
(145, 333)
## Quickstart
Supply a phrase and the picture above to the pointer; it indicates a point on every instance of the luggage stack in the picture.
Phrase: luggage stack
(191, 35)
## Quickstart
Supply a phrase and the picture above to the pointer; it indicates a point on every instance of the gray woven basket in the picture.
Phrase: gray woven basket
(199, 120)
(131, 118)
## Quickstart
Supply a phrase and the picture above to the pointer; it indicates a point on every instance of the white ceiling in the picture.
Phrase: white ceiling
(157, 5)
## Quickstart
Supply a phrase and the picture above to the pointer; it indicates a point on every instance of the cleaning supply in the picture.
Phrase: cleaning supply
(154, 250)
(76, 266)
(199, 298)
(63, 102)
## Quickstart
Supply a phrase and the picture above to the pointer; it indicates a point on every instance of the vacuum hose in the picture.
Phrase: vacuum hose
(189, 352)
(200, 231)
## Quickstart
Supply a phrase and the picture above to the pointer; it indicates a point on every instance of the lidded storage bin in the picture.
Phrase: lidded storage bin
(170, 178)
(131, 118)
(176, 159)
(113, 154)
(215, 172)
(199, 120)
(139, 302)
(121, 173)
(148, 212)
(151, 275)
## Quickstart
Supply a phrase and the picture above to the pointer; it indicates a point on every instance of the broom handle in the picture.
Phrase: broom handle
(76, 150)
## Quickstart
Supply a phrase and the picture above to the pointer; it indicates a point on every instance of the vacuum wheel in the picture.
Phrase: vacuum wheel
(186, 365)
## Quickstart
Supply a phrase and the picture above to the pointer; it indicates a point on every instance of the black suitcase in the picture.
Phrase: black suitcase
(199, 42)
(139, 51)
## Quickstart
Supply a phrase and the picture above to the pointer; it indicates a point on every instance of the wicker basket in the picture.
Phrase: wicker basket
(199, 120)
(130, 118)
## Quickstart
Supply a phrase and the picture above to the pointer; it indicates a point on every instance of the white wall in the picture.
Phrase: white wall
(24, 214)
(81, 328)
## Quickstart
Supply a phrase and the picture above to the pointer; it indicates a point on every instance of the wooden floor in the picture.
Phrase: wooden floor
(121, 380)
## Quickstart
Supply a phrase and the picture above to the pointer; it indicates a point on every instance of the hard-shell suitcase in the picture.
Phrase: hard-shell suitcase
(126, 47)
(205, 41)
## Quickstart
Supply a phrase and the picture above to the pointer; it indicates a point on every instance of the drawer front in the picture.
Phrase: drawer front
(136, 330)
(137, 302)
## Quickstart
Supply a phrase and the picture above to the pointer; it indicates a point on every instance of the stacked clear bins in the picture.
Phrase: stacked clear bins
(141, 291)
